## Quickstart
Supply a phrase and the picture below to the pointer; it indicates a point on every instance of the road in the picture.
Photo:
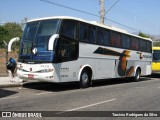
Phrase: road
(107, 95)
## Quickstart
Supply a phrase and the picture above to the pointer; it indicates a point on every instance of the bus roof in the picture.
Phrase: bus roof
(155, 48)
(89, 22)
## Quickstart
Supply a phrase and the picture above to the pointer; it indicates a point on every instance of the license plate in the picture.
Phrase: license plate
(30, 76)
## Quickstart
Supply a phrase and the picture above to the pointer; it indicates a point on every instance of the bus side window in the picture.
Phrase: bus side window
(67, 50)
(143, 45)
(83, 33)
(87, 33)
(100, 37)
(106, 37)
(126, 41)
(115, 39)
(91, 34)
(134, 43)
(69, 29)
(149, 46)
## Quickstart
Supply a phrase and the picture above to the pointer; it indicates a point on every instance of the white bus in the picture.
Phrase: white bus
(65, 49)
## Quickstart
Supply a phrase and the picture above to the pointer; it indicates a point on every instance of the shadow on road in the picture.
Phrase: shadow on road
(58, 87)
(5, 93)
(115, 81)
(155, 76)
(54, 87)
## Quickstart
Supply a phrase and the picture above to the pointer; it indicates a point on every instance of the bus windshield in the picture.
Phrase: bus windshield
(156, 55)
(37, 34)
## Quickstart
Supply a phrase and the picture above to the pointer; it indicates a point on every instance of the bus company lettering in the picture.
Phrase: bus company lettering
(147, 56)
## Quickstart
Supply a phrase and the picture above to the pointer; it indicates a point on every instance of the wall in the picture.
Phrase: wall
(3, 71)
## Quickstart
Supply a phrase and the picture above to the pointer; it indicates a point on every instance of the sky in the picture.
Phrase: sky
(136, 15)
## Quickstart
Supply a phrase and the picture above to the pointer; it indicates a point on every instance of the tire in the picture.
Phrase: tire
(84, 79)
(137, 75)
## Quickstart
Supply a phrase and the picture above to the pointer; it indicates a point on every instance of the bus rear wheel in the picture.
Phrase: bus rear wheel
(137, 75)
(84, 79)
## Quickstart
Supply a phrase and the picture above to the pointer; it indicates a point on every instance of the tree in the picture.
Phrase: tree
(143, 35)
(3, 33)
(9, 31)
(157, 44)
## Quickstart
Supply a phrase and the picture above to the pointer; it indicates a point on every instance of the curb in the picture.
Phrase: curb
(21, 84)
(12, 85)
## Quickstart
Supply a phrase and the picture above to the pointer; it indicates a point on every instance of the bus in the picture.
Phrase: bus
(66, 49)
(156, 60)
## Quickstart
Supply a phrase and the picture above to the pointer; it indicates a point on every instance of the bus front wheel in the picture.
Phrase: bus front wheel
(84, 79)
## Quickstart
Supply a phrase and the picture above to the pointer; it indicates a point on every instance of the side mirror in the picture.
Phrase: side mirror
(11, 42)
(51, 41)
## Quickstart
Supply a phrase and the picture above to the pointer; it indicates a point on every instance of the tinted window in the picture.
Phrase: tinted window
(30, 31)
(156, 55)
(143, 45)
(91, 34)
(46, 29)
(83, 33)
(37, 34)
(149, 46)
(102, 37)
(27, 47)
(66, 50)
(115, 39)
(134, 43)
(69, 29)
(106, 37)
(87, 33)
(126, 41)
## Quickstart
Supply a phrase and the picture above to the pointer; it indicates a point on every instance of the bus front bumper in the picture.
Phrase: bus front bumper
(46, 77)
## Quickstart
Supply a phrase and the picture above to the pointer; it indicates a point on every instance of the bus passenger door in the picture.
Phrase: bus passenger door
(66, 55)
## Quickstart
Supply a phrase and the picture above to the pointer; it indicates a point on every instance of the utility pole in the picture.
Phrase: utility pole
(102, 11)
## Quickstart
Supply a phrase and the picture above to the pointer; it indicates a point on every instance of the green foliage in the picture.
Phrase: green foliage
(9, 31)
(3, 33)
(157, 44)
(143, 35)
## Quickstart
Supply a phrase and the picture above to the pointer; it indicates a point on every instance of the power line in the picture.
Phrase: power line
(67, 7)
(47, 1)
(111, 7)
(122, 25)
(137, 19)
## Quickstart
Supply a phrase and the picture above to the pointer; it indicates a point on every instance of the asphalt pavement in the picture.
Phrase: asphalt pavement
(102, 98)
(6, 82)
